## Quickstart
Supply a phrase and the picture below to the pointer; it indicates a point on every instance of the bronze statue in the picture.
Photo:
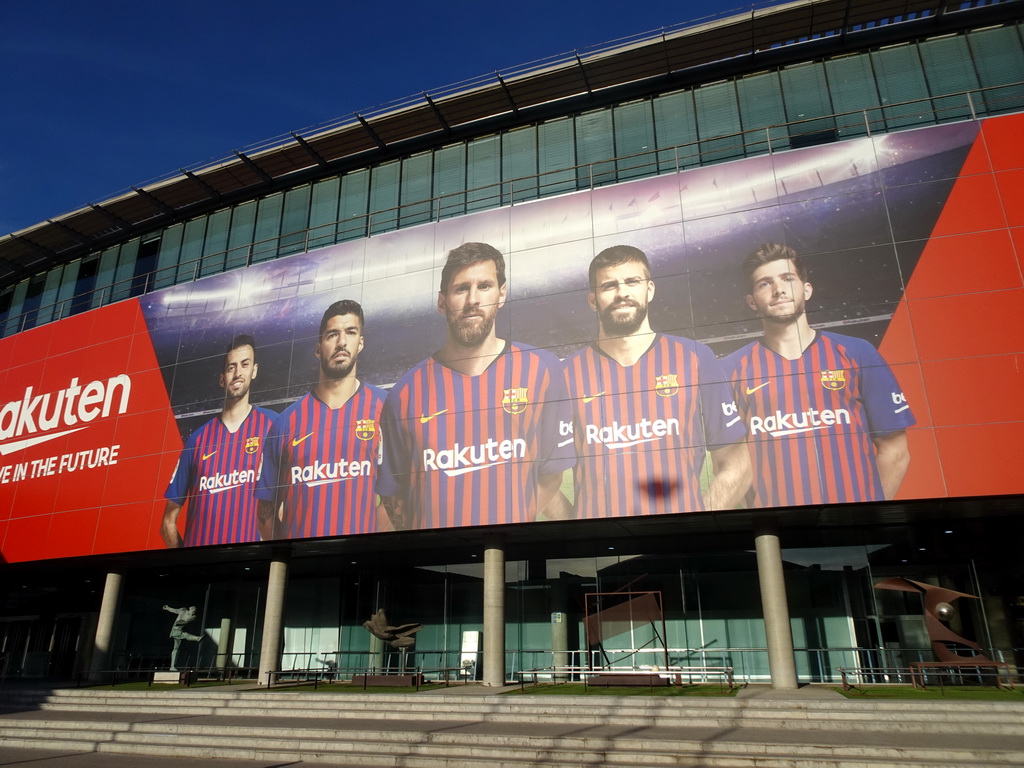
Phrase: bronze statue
(397, 637)
(178, 633)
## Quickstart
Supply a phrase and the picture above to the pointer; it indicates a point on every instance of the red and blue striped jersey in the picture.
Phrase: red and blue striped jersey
(642, 431)
(811, 420)
(322, 464)
(216, 477)
(469, 450)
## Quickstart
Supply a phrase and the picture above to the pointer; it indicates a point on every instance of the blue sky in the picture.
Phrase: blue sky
(102, 96)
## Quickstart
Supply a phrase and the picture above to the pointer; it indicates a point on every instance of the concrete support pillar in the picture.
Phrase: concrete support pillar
(102, 646)
(494, 611)
(273, 615)
(775, 606)
(224, 644)
(559, 625)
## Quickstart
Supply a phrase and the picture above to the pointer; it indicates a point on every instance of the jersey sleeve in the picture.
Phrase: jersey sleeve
(181, 480)
(723, 423)
(884, 402)
(396, 461)
(556, 453)
(270, 468)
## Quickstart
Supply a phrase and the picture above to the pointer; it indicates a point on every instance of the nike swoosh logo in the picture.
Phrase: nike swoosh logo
(752, 390)
(431, 417)
(298, 440)
(28, 442)
(208, 455)
(565, 442)
(593, 397)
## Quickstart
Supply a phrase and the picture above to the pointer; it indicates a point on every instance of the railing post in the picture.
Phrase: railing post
(970, 106)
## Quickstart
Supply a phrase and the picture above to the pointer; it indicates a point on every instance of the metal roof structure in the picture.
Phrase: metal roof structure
(698, 52)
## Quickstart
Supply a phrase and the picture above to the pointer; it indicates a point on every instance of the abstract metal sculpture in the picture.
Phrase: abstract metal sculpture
(937, 610)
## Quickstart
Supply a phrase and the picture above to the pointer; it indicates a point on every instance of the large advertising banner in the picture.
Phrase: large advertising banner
(837, 324)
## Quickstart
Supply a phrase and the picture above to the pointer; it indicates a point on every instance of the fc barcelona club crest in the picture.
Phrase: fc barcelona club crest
(666, 385)
(366, 429)
(252, 445)
(515, 400)
(833, 380)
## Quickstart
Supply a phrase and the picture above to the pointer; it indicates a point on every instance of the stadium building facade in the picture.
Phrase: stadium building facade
(725, 503)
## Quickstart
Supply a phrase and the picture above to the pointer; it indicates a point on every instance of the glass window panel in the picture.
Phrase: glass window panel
(999, 62)
(852, 83)
(519, 164)
(595, 148)
(450, 180)
(483, 173)
(323, 213)
(144, 274)
(675, 126)
(124, 271)
(634, 140)
(85, 285)
(760, 98)
(68, 283)
(556, 156)
(240, 236)
(48, 299)
(167, 257)
(216, 244)
(354, 205)
(948, 69)
(718, 122)
(105, 290)
(268, 227)
(384, 197)
(417, 186)
(805, 94)
(14, 314)
(6, 304)
(294, 220)
(191, 250)
(900, 78)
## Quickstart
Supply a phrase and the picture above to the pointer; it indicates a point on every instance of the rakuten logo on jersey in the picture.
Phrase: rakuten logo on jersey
(218, 483)
(618, 436)
(39, 418)
(780, 424)
(320, 473)
(472, 458)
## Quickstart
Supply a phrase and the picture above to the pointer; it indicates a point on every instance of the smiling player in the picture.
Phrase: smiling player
(827, 419)
(216, 474)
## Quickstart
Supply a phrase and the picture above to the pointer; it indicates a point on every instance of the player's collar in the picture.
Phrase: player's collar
(656, 337)
(505, 349)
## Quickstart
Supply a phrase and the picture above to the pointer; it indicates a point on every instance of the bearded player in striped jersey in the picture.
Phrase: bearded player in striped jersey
(648, 408)
(471, 433)
(216, 474)
(826, 417)
(323, 451)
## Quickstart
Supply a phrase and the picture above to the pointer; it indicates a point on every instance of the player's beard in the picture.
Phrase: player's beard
(623, 324)
(471, 331)
(336, 371)
(234, 397)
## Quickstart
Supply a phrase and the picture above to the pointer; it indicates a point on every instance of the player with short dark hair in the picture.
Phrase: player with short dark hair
(471, 433)
(323, 450)
(216, 474)
(648, 407)
(826, 417)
